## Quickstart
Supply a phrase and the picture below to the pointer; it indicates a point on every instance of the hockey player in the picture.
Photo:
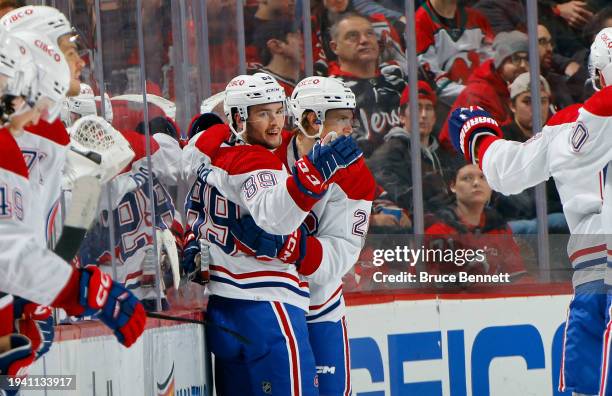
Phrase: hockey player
(52, 23)
(132, 210)
(239, 177)
(131, 206)
(85, 103)
(28, 269)
(332, 236)
(572, 149)
(45, 144)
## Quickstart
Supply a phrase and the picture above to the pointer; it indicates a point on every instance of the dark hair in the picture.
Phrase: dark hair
(333, 30)
(159, 125)
(597, 23)
(275, 29)
(453, 167)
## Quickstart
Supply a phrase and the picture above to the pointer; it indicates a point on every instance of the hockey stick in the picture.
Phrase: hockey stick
(239, 337)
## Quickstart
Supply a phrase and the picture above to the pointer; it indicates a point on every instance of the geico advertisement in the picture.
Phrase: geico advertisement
(483, 347)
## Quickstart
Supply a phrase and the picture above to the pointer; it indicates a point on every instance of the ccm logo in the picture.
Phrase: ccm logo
(313, 81)
(49, 50)
(326, 369)
(18, 16)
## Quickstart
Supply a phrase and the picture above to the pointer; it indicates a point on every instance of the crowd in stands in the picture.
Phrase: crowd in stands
(468, 53)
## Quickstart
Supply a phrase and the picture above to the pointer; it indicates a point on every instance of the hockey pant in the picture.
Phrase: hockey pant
(583, 341)
(330, 345)
(275, 358)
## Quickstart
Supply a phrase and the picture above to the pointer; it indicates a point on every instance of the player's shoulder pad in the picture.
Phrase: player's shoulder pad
(210, 140)
(599, 103)
(138, 143)
(11, 158)
(236, 160)
(55, 131)
(565, 115)
(357, 181)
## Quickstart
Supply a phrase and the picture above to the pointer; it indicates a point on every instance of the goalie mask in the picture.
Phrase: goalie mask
(79, 106)
(244, 91)
(600, 59)
(319, 94)
(96, 149)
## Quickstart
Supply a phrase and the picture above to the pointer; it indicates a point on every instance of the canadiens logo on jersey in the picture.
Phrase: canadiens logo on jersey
(33, 159)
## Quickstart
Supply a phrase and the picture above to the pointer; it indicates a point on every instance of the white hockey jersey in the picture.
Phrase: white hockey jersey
(44, 148)
(339, 223)
(27, 268)
(235, 180)
(510, 167)
(132, 210)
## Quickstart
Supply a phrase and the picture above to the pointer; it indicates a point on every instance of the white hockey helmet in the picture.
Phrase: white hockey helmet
(319, 94)
(249, 90)
(52, 75)
(600, 59)
(17, 69)
(81, 105)
(44, 20)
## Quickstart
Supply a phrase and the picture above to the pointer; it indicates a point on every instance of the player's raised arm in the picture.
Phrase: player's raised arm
(514, 166)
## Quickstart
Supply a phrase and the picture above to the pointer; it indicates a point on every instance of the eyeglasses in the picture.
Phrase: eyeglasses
(517, 59)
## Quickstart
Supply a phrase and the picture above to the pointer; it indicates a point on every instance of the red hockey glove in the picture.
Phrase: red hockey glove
(93, 292)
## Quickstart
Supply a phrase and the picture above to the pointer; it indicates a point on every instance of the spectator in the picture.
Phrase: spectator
(391, 163)
(565, 19)
(566, 75)
(520, 209)
(266, 11)
(279, 45)
(488, 86)
(452, 41)
(330, 12)
(601, 20)
(521, 128)
(377, 91)
(469, 224)
(504, 15)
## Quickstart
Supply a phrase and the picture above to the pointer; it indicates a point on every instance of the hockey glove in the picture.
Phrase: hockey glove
(191, 265)
(40, 333)
(253, 240)
(35, 322)
(17, 357)
(93, 292)
(467, 125)
(313, 171)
